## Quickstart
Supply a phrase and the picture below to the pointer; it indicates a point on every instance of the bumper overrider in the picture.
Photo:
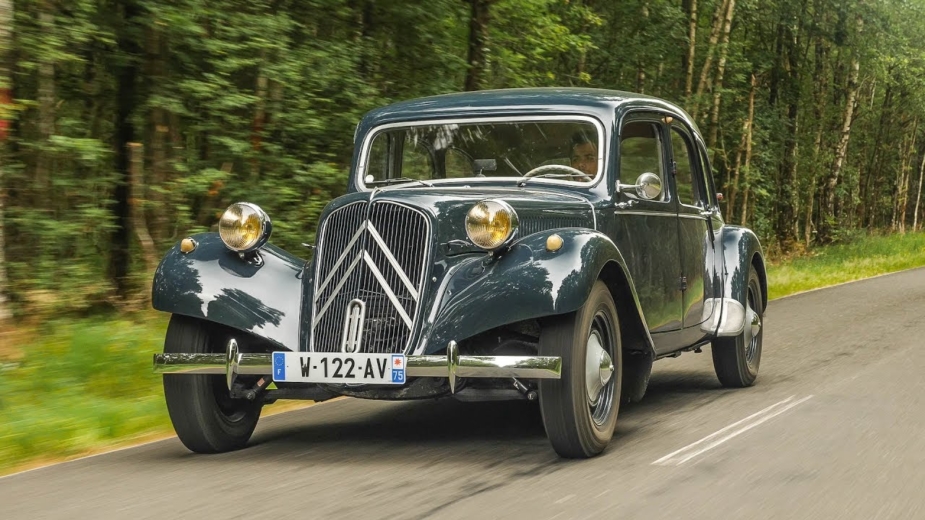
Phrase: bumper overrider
(452, 366)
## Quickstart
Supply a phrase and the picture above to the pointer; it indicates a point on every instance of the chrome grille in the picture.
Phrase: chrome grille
(376, 253)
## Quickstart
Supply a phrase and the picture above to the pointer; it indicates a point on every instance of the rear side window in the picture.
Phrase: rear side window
(684, 160)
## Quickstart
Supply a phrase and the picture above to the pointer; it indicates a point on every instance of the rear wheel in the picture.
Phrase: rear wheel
(205, 417)
(580, 409)
(736, 359)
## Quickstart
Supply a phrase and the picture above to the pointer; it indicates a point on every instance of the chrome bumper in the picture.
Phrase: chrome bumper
(452, 366)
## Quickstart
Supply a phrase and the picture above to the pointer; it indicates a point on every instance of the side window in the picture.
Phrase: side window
(640, 152)
(707, 173)
(685, 179)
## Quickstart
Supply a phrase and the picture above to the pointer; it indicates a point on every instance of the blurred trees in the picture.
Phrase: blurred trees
(811, 109)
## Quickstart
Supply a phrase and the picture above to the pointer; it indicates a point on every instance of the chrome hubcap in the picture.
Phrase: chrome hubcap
(752, 330)
(598, 367)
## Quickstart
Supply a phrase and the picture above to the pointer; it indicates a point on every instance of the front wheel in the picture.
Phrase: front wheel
(736, 358)
(580, 409)
(205, 417)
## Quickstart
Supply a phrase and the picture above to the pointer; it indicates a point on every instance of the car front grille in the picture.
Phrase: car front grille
(373, 257)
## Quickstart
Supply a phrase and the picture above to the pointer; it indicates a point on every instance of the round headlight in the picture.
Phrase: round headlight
(244, 227)
(491, 223)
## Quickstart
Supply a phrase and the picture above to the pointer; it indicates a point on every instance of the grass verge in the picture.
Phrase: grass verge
(862, 258)
(75, 387)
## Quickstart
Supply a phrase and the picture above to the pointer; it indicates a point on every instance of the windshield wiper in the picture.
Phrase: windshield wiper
(523, 182)
(396, 180)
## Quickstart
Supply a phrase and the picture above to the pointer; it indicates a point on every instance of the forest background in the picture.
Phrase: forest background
(126, 125)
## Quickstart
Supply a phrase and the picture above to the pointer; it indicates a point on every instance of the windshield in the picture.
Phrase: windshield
(473, 150)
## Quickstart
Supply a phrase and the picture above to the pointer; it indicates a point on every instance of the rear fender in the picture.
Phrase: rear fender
(529, 282)
(261, 297)
(741, 251)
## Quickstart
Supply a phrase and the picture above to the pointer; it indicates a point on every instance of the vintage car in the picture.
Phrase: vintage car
(536, 244)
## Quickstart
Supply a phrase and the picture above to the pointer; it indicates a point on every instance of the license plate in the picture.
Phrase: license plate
(336, 367)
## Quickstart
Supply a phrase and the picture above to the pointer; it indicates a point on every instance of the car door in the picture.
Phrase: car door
(646, 231)
(695, 228)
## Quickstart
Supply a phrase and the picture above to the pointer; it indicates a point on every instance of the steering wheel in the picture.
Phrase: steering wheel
(541, 170)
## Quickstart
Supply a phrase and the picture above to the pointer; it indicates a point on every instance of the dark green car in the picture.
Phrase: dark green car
(536, 244)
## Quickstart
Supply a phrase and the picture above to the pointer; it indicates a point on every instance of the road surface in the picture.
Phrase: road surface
(834, 428)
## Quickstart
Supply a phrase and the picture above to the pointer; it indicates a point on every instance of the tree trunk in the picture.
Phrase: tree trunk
(6, 37)
(748, 149)
(478, 43)
(820, 88)
(743, 144)
(136, 192)
(918, 197)
(691, 49)
(720, 70)
(46, 105)
(902, 196)
(126, 74)
(786, 202)
(159, 128)
(717, 25)
(260, 118)
(840, 151)
(640, 64)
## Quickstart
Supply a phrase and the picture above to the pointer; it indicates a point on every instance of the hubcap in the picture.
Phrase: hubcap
(598, 367)
(752, 330)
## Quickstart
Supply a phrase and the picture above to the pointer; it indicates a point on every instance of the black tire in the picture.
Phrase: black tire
(736, 359)
(575, 425)
(205, 417)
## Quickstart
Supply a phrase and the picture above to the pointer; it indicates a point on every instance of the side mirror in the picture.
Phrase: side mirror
(648, 186)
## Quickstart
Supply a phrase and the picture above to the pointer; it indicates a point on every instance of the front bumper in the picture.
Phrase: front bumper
(452, 366)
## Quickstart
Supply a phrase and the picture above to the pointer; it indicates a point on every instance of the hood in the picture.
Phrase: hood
(537, 209)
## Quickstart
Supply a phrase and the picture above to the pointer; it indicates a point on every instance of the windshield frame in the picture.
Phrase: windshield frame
(603, 147)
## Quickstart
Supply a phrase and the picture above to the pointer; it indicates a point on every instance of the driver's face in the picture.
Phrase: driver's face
(584, 158)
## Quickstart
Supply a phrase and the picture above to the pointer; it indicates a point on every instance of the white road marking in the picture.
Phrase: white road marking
(678, 457)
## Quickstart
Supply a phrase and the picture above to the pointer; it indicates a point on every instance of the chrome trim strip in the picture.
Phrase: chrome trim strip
(373, 232)
(337, 288)
(528, 367)
(603, 146)
(352, 336)
(388, 290)
(340, 260)
(645, 213)
(694, 217)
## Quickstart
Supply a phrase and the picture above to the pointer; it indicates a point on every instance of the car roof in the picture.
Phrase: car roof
(549, 100)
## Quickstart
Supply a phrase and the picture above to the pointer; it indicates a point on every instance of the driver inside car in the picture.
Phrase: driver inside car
(584, 155)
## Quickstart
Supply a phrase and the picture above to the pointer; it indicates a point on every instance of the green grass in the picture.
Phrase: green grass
(79, 386)
(83, 385)
(862, 258)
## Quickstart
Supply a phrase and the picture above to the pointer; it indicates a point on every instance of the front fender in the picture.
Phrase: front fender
(526, 282)
(213, 283)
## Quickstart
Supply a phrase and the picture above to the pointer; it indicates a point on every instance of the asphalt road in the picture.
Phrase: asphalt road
(834, 428)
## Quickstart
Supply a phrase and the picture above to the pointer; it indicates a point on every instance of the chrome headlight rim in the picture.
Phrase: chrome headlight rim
(512, 215)
(266, 228)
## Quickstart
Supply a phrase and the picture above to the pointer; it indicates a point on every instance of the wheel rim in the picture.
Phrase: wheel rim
(233, 410)
(599, 369)
(752, 329)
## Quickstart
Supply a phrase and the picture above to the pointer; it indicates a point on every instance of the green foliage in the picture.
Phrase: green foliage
(863, 257)
(83, 385)
(259, 101)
